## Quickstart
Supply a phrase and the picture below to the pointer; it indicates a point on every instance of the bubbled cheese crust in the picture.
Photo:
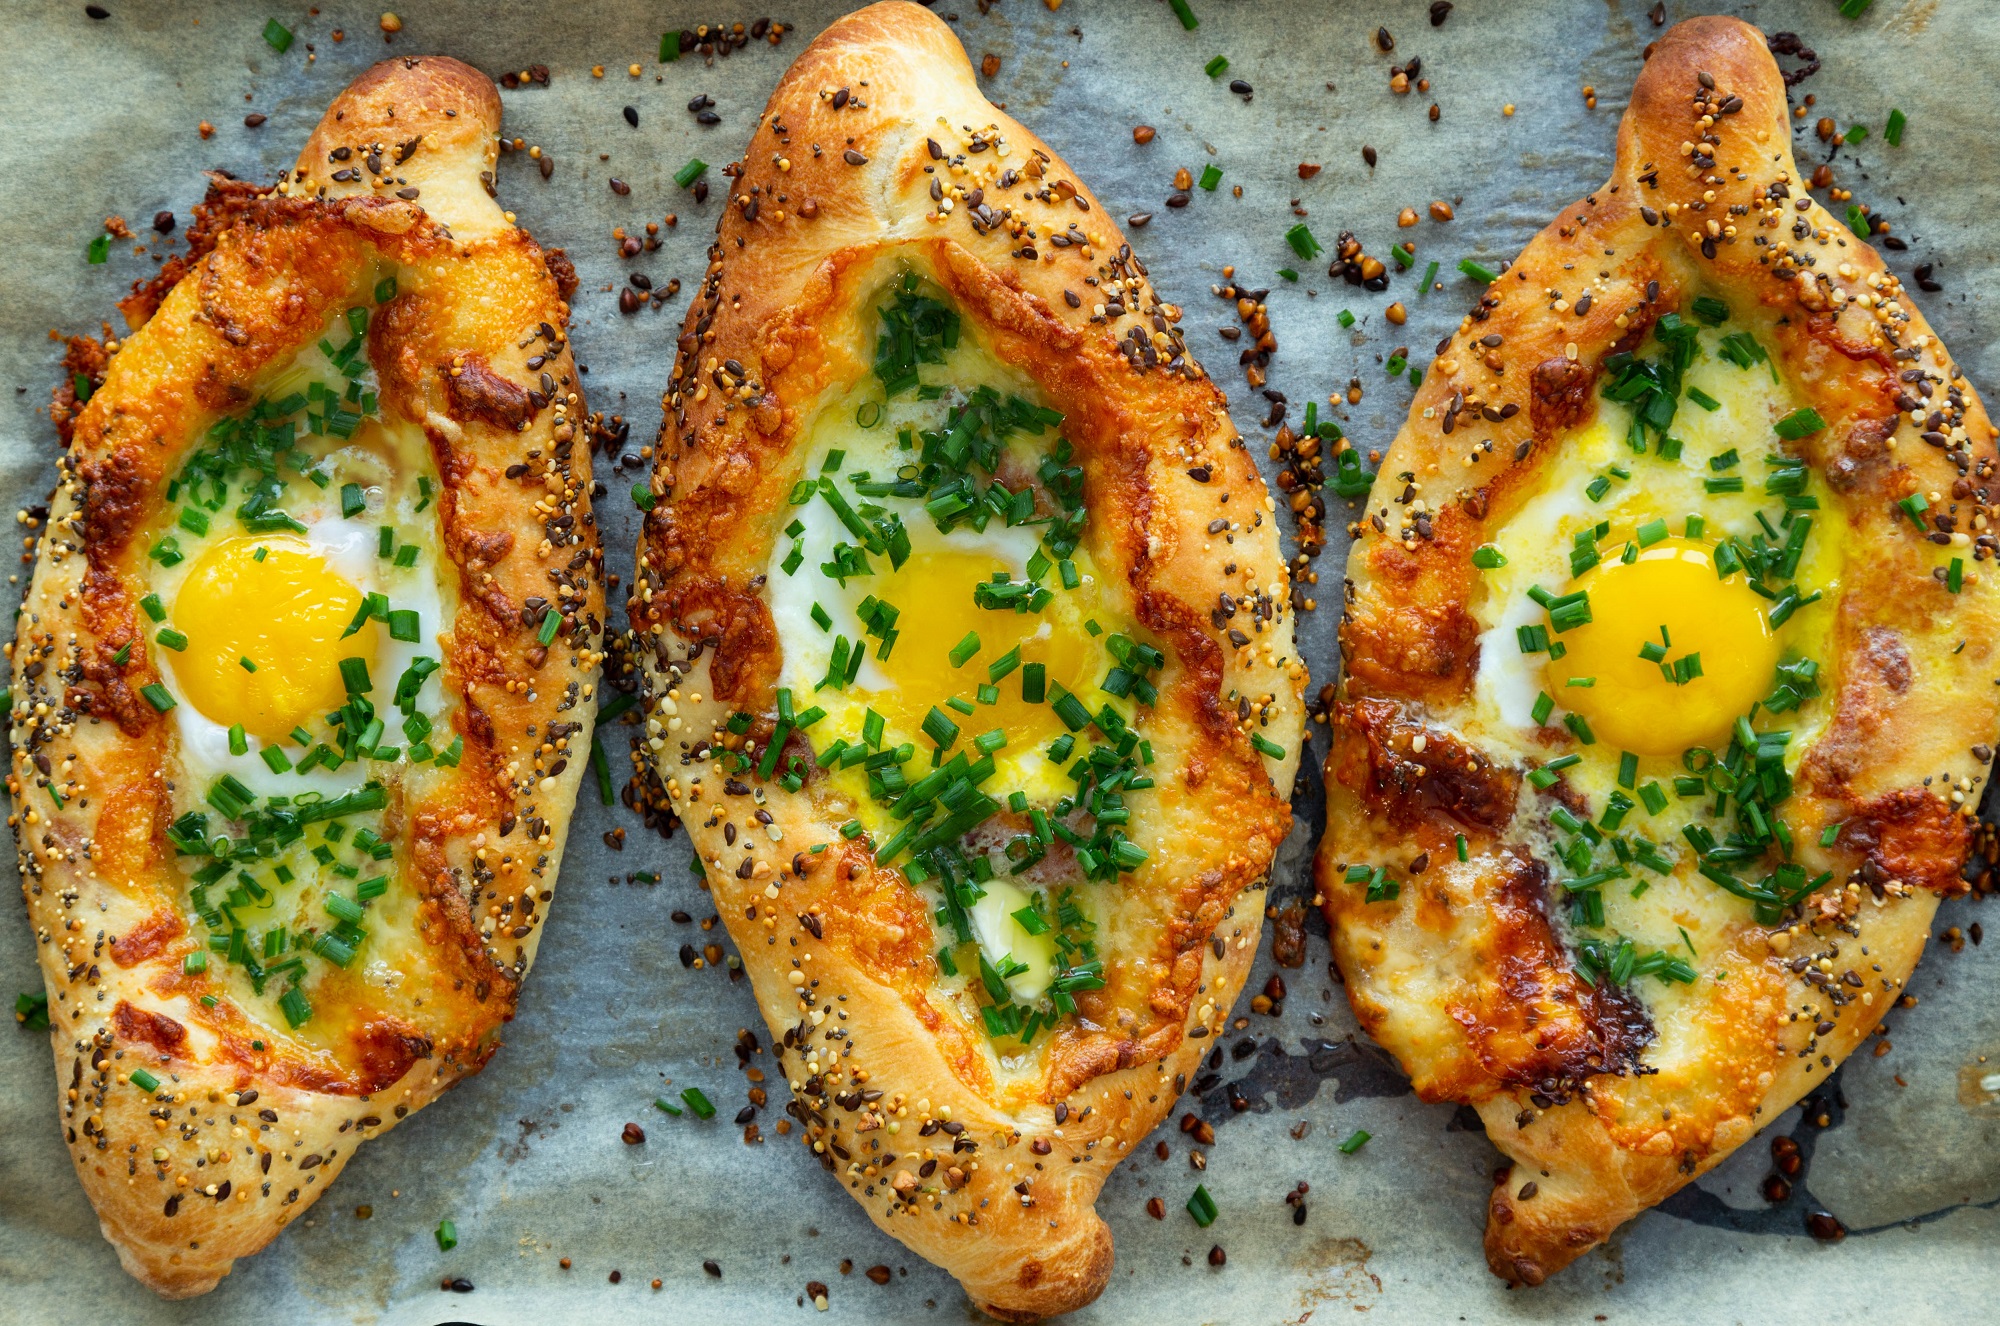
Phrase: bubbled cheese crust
(834, 200)
(1606, 1102)
(248, 1123)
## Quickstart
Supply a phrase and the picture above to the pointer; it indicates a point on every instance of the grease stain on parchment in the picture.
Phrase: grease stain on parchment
(1979, 1083)
(1336, 1273)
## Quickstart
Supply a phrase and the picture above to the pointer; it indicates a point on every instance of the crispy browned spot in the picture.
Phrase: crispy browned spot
(116, 493)
(83, 357)
(1860, 459)
(1533, 1023)
(477, 392)
(227, 202)
(737, 625)
(1373, 757)
(148, 937)
(384, 1050)
(563, 270)
(1878, 670)
(1913, 836)
(155, 1029)
(1559, 395)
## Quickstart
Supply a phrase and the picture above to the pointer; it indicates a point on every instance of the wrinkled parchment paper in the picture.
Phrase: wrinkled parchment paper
(102, 119)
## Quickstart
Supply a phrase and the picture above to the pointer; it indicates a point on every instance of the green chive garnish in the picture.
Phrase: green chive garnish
(1202, 1206)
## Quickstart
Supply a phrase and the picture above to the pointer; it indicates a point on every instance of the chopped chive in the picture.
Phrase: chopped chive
(1545, 705)
(1302, 241)
(1703, 399)
(279, 37)
(195, 962)
(156, 695)
(1893, 131)
(1580, 726)
(447, 1236)
(551, 623)
(940, 728)
(692, 171)
(1201, 1206)
(295, 1007)
(172, 639)
(385, 290)
(1215, 67)
(1584, 682)
(352, 503)
(670, 51)
(1802, 422)
(239, 744)
(1478, 273)
(697, 1102)
(99, 250)
(153, 607)
(144, 1080)
(1487, 557)
(1346, 318)
(1464, 848)
(1355, 1141)
(1211, 175)
(965, 649)
(1266, 746)
(404, 625)
(1184, 14)
(1034, 682)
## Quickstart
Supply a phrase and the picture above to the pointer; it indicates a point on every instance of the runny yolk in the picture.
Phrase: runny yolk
(285, 613)
(1631, 704)
(933, 595)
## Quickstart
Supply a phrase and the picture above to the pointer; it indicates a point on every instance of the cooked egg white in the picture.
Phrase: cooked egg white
(257, 634)
(1672, 583)
(1656, 598)
(854, 434)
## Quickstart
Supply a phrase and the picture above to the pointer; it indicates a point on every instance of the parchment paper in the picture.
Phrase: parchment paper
(101, 118)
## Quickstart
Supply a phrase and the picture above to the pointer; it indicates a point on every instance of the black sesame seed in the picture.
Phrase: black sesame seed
(632, 116)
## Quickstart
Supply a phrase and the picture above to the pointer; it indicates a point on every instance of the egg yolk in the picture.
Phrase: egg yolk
(1630, 703)
(933, 595)
(285, 613)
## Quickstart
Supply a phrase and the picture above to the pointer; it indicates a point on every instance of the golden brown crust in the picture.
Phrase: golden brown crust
(832, 199)
(1462, 977)
(260, 1119)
